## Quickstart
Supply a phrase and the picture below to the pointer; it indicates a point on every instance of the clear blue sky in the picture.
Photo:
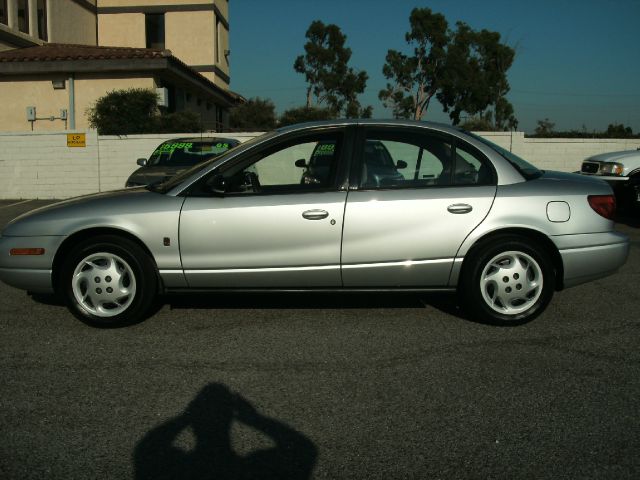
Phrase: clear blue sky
(577, 61)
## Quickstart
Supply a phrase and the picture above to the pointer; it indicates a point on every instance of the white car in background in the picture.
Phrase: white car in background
(621, 170)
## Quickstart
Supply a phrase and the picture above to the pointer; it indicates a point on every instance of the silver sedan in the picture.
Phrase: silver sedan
(330, 206)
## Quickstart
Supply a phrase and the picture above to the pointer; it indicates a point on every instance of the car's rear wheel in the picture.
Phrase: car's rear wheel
(109, 281)
(508, 280)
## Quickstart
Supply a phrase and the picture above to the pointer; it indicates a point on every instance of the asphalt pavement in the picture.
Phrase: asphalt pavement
(324, 386)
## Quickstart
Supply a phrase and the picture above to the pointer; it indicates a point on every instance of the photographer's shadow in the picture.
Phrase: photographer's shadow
(210, 416)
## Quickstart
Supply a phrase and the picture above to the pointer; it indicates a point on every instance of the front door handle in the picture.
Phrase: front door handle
(315, 214)
(458, 208)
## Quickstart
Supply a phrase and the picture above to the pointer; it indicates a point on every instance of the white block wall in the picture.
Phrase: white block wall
(562, 154)
(40, 165)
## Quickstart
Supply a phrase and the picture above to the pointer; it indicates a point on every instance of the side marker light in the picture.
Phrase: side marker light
(26, 251)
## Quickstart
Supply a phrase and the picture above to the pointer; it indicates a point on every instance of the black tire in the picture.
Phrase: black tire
(108, 281)
(506, 280)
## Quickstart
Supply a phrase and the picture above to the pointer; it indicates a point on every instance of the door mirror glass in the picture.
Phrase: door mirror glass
(401, 164)
(142, 162)
(216, 184)
(301, 163)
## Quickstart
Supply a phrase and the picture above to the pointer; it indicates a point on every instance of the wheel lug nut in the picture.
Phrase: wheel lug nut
(97, 279)
(519, 287)
(516, 276)
(109, 290)
(98, 291)
(508, 289)
(505, 279)
(108, 279)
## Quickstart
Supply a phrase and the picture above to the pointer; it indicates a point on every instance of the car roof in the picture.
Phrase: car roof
(372, 122)
(201, 140)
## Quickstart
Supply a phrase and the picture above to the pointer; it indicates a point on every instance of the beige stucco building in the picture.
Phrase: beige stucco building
(60, 56)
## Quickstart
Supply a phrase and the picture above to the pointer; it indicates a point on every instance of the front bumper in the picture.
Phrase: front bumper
(29, 272)
(588, 257)
(32, 280)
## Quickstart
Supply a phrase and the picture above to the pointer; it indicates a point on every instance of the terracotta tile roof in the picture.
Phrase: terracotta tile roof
(60, 51)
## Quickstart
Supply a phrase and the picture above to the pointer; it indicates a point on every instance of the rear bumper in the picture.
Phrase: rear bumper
(591, 256)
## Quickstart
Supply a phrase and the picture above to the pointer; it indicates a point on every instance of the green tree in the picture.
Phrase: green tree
(256, 114)
(329, 78)
(122, 112)
(475, 77)
(464, 69)
(479, 123)
(545, 128)
(415, 79)
(495, 58)
(305, 114)
(618, 131)
(184, 121)
(135, 110)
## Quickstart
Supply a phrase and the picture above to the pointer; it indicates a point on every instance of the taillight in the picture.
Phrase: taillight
(604, 205)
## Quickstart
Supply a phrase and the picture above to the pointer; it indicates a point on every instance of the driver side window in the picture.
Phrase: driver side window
(301, 165)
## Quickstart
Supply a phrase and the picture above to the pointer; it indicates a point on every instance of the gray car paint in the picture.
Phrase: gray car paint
(374, 249)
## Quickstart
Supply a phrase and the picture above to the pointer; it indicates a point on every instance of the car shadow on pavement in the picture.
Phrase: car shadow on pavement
(629, 218)
(162, 454)
(294, 300)
(444, 302)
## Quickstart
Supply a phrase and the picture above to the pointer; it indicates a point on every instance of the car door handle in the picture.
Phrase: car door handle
(315, 214)
(459, 208)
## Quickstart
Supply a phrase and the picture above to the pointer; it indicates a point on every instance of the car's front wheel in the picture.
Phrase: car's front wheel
(508, 281)
(108, 281)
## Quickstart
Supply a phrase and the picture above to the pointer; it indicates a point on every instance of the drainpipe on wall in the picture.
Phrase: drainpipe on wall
(72, 103)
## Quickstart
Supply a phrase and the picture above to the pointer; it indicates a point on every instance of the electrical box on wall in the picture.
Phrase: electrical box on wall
(163, 96)
(31, 114)
(63, 114)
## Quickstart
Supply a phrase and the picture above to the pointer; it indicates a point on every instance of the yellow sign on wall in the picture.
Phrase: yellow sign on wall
(76, 140)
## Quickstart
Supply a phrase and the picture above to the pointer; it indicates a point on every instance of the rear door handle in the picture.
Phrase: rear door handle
(458, 208)
(315, 214)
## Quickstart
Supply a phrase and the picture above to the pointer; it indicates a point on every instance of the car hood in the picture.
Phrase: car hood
(615, 156)
(95, 210)
(149, 175)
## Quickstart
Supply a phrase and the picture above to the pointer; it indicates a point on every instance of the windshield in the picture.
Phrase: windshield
(164, 187)
(187, 153)
(527, 170)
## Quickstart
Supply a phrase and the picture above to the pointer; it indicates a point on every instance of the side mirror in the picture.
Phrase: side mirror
(301, 163)
(401, 164)
(142, 162)
(216, 184)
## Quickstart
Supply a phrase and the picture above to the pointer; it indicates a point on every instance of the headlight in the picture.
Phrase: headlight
(611, 168)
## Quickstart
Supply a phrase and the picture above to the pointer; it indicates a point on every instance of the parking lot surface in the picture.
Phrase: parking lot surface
(324, 386)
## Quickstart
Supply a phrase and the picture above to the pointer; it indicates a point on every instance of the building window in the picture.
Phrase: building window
(154, 24)
(4, 16)
(219, 119)
(23, 16)
(42, 20)
(218, 38)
